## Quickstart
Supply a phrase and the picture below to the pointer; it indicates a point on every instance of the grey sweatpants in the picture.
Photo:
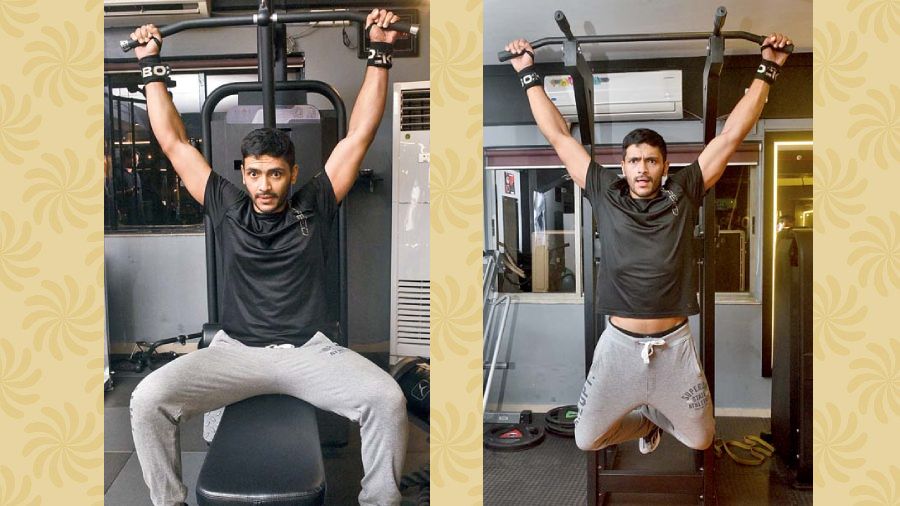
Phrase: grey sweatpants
(635, 383)
(320, 372)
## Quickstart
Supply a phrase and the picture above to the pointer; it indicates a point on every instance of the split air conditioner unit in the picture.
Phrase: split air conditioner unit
(131, 13)
(623, 96)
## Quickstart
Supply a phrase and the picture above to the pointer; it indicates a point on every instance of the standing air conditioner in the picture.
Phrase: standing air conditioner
(410, 221)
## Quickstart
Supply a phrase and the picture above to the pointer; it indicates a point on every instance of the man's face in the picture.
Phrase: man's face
(644, 169)
(268, 180)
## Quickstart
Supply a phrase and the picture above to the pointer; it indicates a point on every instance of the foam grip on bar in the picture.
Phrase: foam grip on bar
(402, 26)
(128, 44)
(406, 27)
(563, 24)
(506, 55)
(719, 21)
(789, 48)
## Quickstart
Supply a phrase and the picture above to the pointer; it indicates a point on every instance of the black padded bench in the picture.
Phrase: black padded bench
(266, 452)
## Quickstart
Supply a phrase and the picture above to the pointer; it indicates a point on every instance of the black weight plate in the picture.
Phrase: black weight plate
(552, 428)
(562, 416)
(414, 377)
(512, 437)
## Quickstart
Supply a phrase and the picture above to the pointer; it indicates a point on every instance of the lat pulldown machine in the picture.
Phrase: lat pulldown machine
(601, 478)
(266, 449)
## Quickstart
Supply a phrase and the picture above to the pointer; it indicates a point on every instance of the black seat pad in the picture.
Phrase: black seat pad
(265, 452)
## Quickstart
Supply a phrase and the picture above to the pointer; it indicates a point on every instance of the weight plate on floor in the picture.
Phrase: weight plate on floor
(560, 431)
(561, 420)
(512, 437)
(563, 416)
(414, 377)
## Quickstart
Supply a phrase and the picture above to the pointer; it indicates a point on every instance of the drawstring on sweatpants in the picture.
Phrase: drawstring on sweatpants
(647, 350)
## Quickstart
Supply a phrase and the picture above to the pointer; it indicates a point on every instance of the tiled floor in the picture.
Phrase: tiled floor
(124, 485)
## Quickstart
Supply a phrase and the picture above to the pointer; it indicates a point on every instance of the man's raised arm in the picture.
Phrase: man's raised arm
(547, 116)
(745, 114)
(167, 126)
(342, 166)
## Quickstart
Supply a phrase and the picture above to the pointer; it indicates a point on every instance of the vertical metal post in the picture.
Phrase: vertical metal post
(343, 279)
(591, 330)
(266, 64)
(212, 284)
(280, 46)
(712, 71)
(588, 268)
(583, 87)
(582, 82)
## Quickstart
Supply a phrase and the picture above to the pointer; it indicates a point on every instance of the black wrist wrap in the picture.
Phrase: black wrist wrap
(529, 77)
(380, 55)
(768, 71)
(154, 70)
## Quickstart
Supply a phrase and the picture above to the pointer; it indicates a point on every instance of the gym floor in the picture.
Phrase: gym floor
(124, 486)
(554, 472)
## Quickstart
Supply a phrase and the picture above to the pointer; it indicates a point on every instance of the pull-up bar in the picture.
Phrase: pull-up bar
(258, 20)
(642, 37)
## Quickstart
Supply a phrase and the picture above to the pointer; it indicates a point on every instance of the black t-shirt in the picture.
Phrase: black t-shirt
(646, 258)
(271, 284)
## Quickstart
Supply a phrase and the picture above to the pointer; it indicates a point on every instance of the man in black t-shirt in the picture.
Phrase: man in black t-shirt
(271, 291)
(645, 283)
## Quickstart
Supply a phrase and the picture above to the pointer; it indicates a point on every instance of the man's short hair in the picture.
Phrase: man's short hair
(644, 136)
(268, 141)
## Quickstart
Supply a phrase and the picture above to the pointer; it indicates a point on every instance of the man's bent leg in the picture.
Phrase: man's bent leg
(337, 379)
(616, 384)
(200, 381)
(680, 402)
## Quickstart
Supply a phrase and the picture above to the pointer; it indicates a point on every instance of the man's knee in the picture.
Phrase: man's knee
(142, 404)
(149, 397)
(393, 397)
(701, 440)
(590, 441)
(385, 397)
(701, 436)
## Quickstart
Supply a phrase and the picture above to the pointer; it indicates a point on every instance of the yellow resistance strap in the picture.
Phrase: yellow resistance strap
(759, 450)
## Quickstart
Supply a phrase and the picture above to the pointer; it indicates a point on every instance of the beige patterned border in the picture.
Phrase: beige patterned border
(857, 245)
(456, 174)
(51, 347)
(51, 344)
